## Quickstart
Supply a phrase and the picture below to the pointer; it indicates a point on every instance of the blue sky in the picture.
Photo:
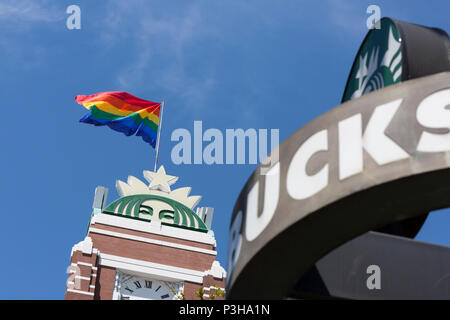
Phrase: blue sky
(232, 64)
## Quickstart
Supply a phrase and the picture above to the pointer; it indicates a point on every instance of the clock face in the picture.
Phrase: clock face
(137, 288)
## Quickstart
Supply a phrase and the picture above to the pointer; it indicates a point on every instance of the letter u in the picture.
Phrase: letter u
(255, 225)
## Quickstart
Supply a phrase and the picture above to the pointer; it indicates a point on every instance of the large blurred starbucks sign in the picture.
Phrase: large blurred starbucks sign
(380, 158)
(396, 52)
(378, 63)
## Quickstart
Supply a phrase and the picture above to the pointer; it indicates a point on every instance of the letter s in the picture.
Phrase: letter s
(434, 112)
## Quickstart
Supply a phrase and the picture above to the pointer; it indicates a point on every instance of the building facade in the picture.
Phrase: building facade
(148, 244)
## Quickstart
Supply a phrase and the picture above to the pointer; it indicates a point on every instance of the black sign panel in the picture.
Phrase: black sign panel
(379, 266)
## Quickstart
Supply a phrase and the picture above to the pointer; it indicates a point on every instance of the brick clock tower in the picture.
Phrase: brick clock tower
(148, 244)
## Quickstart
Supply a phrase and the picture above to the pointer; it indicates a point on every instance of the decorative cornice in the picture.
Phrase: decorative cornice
(150, 269)
(217, 271)
(153, 228)
(84, 246)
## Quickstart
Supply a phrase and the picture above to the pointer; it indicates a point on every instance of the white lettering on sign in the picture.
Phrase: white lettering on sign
(350, 146)
(434, 112)
(299, 184)
(379, 146)
(234, 242)
(254, 225)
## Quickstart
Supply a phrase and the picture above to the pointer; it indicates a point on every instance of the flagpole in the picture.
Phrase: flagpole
(159, 133)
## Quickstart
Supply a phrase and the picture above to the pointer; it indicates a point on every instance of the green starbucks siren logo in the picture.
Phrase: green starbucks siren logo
(378, 63)
(148, 207)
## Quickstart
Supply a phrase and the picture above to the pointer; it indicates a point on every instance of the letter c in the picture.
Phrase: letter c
(299, 184)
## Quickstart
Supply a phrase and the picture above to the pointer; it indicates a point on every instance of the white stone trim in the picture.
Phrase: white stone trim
(84, 246)
(81, 292)
(81, 263)
(144, 226)
(82, 278)
(152, 241)
(116, 291)
(212, 287)
(151, 269)
(217, 271)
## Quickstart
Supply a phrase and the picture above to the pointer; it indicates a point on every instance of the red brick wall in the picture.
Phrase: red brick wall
(154, 236)
(189, 290)
(105, 283)
(152, 252)
(84, 271)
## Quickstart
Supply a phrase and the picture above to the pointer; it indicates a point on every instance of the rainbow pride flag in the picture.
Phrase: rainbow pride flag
(123, 112)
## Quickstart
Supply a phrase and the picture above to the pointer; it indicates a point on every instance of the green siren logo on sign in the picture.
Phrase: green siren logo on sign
(378, 63)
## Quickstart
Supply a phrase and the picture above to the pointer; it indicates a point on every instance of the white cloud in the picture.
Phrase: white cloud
(29, 11)
(18, 19)
(347, 16)
(157, 48)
